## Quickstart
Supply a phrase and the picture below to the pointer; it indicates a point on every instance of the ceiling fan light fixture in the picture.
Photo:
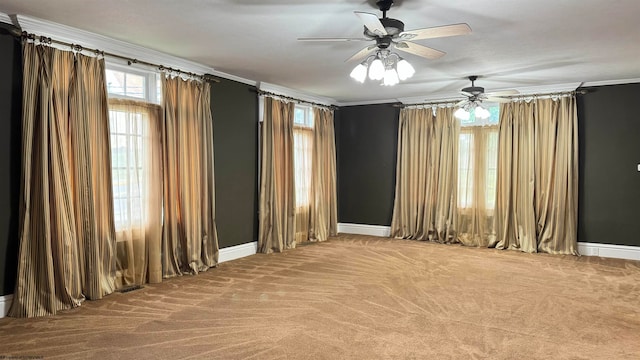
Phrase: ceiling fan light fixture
(462, 114)
(376, 70)
(390, 77)
(405, 70)
(482, 113)
(359, 73)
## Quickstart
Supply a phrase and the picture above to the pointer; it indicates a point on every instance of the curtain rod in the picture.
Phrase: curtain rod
(130, 61)
(515, 97)
(300, 101)
(551, 94)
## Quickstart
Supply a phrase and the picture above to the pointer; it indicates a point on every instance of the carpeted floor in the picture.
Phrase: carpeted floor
(359, 297)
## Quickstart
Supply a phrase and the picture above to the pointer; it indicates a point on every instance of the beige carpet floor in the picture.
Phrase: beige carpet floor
(359, 297)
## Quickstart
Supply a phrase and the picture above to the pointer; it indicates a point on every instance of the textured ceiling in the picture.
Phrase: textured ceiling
(514, 44)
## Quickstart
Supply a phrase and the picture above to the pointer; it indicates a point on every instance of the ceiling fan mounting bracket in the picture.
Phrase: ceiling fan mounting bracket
(384, 6)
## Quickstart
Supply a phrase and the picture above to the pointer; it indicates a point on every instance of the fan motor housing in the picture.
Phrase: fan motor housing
(475, 90)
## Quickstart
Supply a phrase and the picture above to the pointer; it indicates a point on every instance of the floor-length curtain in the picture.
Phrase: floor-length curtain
(277, 191)
(189, 239)
(137, 178)
(426, 175)
(67, 234)
(477, 168)
(323, 218)
(537, 195)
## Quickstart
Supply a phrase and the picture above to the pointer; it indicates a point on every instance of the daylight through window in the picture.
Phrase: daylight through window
(478, 161)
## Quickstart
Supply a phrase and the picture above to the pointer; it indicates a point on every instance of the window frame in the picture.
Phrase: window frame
(153, 95)
(153, 87)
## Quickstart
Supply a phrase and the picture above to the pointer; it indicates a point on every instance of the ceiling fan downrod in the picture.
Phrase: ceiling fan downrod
(384, 6)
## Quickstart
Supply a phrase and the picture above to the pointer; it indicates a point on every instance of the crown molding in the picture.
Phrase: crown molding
(453, 97)
(5, 18)
(107, 44)
(545, 89)
(285, 91)
(368, 102)
(234, 78)
(610, 82)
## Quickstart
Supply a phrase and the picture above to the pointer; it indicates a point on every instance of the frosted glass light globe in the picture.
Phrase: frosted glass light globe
(376, 70)
(405, 70)
(359, 73)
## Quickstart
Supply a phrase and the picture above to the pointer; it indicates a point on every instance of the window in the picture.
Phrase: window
(302, 153)
(129, 122)
(126, 83)
(127, 165)
(478, 161)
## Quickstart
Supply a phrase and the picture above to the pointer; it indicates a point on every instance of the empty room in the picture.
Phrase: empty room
(279, 179)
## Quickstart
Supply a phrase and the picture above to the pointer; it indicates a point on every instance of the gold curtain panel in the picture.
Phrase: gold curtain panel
(190, 240)
(67, 234)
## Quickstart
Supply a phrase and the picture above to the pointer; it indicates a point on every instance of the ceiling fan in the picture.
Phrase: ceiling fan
(475, 95)
(389, 34)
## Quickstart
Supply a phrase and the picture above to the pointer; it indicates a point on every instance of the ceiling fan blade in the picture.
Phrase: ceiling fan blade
(466, 94)
(362, 53)
(333, 39)
(503, 93)
(436, 32)
(371, 22)
(420, 50)
(497, 99)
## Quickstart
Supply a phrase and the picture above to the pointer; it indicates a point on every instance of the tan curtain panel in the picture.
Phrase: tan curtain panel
(189, 239)
(537, 191)
(67, 234)
(477, 169)
(426, 175)
(137, 178)
(277, 191)
(324, 213)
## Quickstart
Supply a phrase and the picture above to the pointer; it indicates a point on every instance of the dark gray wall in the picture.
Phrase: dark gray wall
(366, 146)
(235, 123)
(609, 138)
(10, 150)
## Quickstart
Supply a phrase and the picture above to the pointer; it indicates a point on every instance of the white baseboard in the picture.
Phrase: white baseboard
(584, 248)
(237, 252)
(362, 229)
(609, 251)
(5, 304)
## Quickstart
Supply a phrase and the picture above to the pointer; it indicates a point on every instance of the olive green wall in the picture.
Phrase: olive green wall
(10, 157)
(366, 146)
(235, 138)
(609, 181)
